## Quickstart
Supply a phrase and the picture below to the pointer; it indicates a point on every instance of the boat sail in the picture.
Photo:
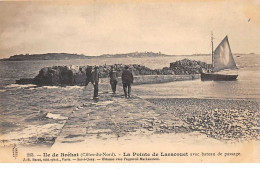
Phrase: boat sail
(222, 59)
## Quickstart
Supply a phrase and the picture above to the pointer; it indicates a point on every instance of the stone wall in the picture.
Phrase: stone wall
(155, 79)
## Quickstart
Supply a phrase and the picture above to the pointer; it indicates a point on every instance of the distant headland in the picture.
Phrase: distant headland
(64, 56)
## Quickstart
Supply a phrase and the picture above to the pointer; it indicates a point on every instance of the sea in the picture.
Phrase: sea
(25, 106)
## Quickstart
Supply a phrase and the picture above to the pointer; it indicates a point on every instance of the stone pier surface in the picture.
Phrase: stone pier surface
(115, 118)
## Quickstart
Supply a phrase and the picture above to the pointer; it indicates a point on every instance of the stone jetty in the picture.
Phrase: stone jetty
(113, 117)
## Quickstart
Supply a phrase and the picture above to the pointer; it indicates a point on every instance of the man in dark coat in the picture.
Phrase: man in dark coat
(88, 75)
(94, 81)
(113, 79)
(127, 81)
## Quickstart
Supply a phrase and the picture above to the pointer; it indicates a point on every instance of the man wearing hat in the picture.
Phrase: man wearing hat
(127, 81)
(113, 79)
(88, 75)
(94, 81)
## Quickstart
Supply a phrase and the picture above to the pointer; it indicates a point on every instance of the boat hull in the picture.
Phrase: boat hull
(217, 77)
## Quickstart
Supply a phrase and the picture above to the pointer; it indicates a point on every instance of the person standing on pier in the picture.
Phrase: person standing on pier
(127, 81)
(94, 81)
(88, 75)
(113, 79)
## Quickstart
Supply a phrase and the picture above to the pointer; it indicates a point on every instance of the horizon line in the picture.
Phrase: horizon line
(194, 54)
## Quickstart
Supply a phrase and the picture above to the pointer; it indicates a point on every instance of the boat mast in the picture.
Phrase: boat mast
(212, 53)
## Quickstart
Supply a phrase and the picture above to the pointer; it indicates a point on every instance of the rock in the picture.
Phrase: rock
(81, 75)
(61, 75)
(187, 66)
(25, 81)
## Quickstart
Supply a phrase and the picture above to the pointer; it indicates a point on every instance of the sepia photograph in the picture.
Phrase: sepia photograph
(109, 81)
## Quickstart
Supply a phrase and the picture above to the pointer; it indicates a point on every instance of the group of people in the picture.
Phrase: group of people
(127, 80)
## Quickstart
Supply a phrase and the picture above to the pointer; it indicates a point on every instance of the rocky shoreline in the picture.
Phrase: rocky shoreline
(226, 120)
(77, 75)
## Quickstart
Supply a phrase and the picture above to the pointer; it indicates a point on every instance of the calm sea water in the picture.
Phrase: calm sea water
(25, 105)
(247, 85)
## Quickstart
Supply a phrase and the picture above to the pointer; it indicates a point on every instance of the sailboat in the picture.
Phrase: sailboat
(223, 63)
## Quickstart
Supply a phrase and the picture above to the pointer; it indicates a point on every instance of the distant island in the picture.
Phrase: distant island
(134, 54)
(64, 56)
(48, 56)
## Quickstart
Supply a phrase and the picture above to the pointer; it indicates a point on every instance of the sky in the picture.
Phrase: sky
(103, 27)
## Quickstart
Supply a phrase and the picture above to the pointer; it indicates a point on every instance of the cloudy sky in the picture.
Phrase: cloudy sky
(172, 27)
